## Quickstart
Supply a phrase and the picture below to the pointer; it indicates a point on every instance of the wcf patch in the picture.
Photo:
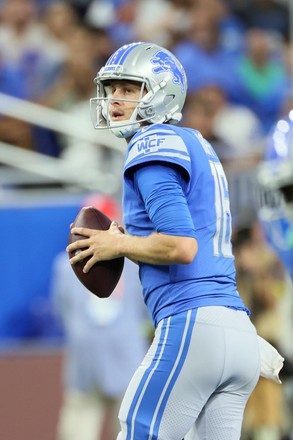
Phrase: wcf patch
(149, 144)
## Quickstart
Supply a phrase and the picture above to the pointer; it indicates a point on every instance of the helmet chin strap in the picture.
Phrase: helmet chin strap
(125, 131)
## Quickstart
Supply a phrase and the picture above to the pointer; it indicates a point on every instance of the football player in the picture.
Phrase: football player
(275, 179)
(204, 361)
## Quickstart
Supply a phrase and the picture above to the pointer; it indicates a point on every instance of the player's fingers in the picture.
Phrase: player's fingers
(79, 255)
(83, 231)
(89, 264)
(79, 244)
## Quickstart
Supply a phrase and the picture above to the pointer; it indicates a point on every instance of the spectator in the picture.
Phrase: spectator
(235, 128)
(74, 82)
(71, 93)
(60, 20)
(231, 27)
(202, 55)
(262, 82)
(14, 131)
(104, 343)
(199, 113)
(262, 282)
(236, 134)
(29, 60)
(116, 17)
(26, 45)
(163, 22)
(269, 15)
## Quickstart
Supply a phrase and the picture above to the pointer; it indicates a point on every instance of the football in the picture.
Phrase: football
(103, 277)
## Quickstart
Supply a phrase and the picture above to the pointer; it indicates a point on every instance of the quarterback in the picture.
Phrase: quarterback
(204, 361)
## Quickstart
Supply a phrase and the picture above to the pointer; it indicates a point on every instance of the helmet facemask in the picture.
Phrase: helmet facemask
(150, 108)
(101, 106)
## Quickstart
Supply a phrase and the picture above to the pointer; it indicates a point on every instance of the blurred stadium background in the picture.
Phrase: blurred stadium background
(238, 55)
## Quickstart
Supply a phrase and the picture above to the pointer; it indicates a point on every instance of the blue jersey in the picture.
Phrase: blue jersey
(193, 200)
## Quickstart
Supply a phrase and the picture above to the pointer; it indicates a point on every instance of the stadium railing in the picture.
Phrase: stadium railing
(29, 166)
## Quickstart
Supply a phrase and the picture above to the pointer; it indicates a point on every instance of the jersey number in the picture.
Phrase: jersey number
(222, 237)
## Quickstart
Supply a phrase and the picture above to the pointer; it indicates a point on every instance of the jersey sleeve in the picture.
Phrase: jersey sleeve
(159, 143)
(161, 189)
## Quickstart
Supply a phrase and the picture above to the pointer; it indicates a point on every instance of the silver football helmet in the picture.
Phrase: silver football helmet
(275, 173)
(275, 178)
(161, 75)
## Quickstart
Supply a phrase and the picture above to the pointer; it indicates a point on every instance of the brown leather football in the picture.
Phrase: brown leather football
(103, 277)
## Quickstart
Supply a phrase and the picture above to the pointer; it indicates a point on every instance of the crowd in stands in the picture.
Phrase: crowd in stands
(51, 49)
(238, 64)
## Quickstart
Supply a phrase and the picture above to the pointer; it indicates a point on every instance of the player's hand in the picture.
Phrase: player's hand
(98, 245)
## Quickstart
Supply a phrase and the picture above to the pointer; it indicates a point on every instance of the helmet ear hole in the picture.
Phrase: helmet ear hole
(168, 99)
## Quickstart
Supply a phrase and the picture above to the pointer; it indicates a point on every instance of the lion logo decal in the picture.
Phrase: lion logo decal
(164, 63)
